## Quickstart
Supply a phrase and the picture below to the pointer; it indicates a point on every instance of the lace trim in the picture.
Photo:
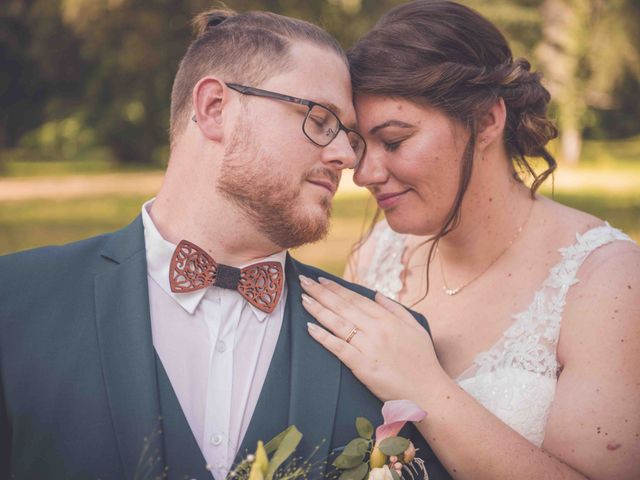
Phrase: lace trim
(385, 269)
(530, 342)
(516, 378)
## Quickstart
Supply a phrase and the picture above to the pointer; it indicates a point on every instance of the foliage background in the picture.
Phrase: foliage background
(78, 75)
(85, 88)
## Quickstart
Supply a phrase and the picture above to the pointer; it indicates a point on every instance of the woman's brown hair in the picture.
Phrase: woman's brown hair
(447, 56)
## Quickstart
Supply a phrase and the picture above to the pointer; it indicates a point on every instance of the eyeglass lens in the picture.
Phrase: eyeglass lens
(322, 126)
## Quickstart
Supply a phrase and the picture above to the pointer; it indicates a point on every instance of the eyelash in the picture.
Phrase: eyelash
(393, 146)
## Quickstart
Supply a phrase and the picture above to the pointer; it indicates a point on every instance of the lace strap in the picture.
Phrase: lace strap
(530, 342)
(564, 274)
(384, 273)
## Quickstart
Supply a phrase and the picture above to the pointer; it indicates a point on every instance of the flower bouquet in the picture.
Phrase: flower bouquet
(384, 456)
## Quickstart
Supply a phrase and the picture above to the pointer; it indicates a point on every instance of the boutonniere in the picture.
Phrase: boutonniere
(385, 455)
(272, 461)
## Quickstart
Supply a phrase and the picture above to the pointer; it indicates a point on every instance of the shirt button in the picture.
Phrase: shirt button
(221, 347)
(216, 439)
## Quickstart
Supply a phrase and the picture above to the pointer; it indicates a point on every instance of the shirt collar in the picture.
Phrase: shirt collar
(159, 252)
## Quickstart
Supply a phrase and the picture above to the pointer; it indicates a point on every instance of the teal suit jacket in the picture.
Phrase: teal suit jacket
(83, 394)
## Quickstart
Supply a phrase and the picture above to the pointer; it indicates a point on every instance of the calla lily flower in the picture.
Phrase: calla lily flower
(383, 473)
(395, 414)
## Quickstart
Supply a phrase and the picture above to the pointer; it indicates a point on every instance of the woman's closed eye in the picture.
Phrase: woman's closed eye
(392, 146)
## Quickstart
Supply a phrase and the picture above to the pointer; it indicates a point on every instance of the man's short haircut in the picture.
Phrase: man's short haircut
(246, 48)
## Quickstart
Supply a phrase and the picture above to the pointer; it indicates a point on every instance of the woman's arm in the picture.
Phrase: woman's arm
(599, 386)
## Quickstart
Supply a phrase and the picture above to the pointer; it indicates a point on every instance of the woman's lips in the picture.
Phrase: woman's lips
(388, 200)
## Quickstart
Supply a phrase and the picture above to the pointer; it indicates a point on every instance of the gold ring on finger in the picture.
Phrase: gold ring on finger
(352, 334)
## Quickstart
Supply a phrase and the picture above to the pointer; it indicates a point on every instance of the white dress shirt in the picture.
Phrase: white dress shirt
(216, 349)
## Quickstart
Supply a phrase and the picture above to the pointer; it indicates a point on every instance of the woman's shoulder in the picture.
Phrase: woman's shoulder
(590, 244)
(567, 227)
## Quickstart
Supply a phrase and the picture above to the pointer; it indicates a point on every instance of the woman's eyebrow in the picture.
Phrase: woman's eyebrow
(390, 123)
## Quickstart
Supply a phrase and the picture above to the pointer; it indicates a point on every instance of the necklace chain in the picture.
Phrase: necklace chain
(454, 291)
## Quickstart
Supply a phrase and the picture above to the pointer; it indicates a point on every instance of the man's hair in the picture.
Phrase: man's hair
(246, 48)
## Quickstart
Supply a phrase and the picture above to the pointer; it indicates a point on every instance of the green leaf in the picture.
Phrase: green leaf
(287, 445)
(395, 475)
(273, 444)
(393, 445)
(347, 461)
(364, 427)
(357, 473)
(356, 447)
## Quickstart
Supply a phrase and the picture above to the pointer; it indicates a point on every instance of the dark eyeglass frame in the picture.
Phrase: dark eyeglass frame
(258, 92)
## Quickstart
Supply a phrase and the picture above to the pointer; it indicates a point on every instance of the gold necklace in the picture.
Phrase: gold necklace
(453, 291)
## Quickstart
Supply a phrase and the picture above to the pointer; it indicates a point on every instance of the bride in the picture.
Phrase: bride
(534, 307)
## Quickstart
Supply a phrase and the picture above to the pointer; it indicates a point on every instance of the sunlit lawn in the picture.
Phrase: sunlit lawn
(607, 184)
(32, 223)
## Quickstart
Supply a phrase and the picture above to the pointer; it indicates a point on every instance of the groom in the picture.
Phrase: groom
(175, 344)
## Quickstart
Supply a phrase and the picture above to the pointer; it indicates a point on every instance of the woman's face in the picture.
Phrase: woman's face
(412, 162)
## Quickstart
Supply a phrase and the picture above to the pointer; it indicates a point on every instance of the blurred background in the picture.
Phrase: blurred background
(85, 88)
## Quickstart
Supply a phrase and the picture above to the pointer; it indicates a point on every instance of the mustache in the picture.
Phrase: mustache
(320, 172)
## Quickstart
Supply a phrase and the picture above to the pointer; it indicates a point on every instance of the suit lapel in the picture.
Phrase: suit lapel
(315, 375)
(126, 350)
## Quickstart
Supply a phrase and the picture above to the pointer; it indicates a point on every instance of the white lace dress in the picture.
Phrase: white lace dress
(516, 378)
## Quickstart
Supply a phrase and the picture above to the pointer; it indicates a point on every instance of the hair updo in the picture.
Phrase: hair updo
(448, 56)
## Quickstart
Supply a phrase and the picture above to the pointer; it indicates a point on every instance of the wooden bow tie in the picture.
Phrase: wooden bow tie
(192, 269)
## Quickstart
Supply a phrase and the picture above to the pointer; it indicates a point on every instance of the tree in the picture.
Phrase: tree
(588, 46)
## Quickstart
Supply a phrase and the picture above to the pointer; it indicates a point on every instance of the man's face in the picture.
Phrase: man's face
(272, 171)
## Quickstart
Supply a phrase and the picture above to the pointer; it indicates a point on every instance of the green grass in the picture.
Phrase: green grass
(613, 152)
(33, 223)
(14, 163)
(607, 184)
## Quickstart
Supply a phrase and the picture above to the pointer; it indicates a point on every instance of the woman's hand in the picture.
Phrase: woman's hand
(389, 352)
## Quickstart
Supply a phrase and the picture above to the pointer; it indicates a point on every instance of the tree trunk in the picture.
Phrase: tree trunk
(562, 52)
(571, 145)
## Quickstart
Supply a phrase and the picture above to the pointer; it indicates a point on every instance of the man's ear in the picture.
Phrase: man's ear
(209, 99)
(491, 124)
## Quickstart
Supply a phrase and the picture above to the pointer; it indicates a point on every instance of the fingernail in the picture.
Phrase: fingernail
(312, 327)
(324, 281)
(305, 281)
(307, 299)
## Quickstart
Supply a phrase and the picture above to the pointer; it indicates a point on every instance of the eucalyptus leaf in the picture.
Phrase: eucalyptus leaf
(393, 445)
(286, 447)
(364, 427)
(395, 475)
(357, 473)
(356, 447)
(348, 461)
(273, 444)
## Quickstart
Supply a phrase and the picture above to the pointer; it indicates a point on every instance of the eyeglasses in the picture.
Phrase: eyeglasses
(320, 125)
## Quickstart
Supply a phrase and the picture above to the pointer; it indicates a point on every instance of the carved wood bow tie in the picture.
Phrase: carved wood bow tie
(192, 269)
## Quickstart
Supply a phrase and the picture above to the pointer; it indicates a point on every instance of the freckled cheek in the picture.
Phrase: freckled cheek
(434, 183)
(436, 163)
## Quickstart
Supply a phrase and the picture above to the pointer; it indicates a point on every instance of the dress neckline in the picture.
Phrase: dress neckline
(559, 276)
